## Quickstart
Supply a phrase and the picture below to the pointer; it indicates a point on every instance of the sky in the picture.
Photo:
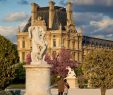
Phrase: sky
(93, 17)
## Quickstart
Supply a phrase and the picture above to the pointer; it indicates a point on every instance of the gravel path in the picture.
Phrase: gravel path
(84, 92)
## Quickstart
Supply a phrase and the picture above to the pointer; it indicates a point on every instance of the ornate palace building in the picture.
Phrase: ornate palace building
(61, 32)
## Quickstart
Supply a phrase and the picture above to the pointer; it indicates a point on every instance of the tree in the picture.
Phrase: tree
(60, 62)
(19, 74)
(8, 57)
(2, 92)
(98, 68)
(79, 74)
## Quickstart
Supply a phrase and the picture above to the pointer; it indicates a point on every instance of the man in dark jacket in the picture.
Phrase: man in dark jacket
(60, 86)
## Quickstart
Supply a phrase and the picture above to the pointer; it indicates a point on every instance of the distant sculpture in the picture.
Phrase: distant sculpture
(39, 44)
(71, 72)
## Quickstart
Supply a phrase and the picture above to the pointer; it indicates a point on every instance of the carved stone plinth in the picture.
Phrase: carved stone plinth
(73, 82)
(37, 79)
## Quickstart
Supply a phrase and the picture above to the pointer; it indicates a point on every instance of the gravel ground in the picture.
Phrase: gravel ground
(84, 92)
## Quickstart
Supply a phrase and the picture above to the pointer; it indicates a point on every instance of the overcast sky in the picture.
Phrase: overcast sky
(94, 17)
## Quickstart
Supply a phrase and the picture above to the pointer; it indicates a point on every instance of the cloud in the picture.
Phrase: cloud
(12, 38)
(93, 8)
(82, 18)
(103, 24)
(23, 2)
(16, 16)
(94, 24)
(107, 37)
(93, 2)
(9, 32)
(103, 6)
(110, 35)
(92, 31)
(62, 2)
(94, 17)
(99, 36)
(107, 3)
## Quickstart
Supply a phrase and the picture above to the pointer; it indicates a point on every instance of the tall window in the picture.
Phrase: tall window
(54, 42)
(54, 36)
(23, 44)
(73, 43)
(63, 42)
(68, 43)
(23, 56)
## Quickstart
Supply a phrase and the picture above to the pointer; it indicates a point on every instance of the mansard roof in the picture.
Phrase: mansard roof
(60, 18)
(25, 29)
(96, 42)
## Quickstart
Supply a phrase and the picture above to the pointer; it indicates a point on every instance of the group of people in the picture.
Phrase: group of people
(63, 87)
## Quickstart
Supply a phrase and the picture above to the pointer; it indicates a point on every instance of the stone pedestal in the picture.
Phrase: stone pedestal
(73, 82)
(37, 79)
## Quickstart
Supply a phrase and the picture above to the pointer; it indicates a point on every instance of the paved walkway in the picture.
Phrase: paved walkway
(84, 92)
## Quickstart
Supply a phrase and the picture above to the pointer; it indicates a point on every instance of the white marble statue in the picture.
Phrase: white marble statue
(71, 72)
(39, 44)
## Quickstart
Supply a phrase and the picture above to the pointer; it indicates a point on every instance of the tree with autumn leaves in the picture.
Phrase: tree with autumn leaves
(98, 69)
(60, 62)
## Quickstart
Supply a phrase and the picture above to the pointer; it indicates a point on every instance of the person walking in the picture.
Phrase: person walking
(66, 87)
(60, 86)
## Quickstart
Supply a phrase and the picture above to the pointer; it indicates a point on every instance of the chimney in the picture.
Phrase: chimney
(69, 13)
(51, 13)
(34, 12)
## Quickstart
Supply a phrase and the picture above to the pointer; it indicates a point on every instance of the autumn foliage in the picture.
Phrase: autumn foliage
(98, 69)
(60, 62)
(28, 58)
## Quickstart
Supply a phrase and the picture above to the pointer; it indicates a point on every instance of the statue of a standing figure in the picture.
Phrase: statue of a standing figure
(39, 44)
(71, 72)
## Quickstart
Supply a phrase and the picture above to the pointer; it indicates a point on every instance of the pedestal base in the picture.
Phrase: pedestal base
(37, 79)
(73, 82)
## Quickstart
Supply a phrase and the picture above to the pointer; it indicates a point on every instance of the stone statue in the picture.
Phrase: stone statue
(39, 44)
(71, 72)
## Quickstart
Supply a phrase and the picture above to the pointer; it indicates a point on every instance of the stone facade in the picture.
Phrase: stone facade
(61, 32)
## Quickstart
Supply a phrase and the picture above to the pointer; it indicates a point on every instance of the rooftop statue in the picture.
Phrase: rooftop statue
(39, 44)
